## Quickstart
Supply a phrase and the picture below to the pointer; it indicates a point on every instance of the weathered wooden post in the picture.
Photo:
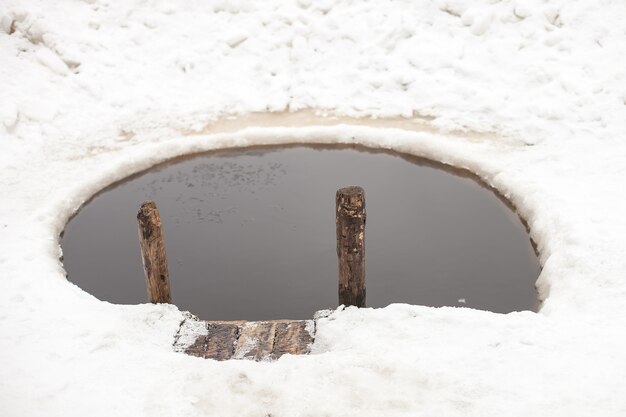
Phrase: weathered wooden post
(153, 253)
(350, 219)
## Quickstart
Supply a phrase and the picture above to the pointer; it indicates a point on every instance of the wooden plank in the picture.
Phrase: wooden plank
(221, 340)
(188, 333)
(256, 341)
(293, 337)
(198, 348)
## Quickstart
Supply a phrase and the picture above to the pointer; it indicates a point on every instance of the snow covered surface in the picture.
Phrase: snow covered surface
(530, 95)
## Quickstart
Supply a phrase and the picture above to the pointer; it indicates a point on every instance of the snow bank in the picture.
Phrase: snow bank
(530, 95)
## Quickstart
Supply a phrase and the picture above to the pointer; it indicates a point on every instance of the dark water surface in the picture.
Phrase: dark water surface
(250, 234)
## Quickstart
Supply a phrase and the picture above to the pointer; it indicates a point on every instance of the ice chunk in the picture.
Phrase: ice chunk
(51, 60)
(481, 24)
(235, 39)
(522, 11)
(6, 23)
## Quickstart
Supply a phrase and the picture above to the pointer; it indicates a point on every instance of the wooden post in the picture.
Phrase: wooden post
(153, 253)
(350, 204)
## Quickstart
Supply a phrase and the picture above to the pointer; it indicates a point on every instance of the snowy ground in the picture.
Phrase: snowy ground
(530, 95)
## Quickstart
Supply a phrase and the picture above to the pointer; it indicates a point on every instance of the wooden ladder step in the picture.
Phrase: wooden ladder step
(253, 340)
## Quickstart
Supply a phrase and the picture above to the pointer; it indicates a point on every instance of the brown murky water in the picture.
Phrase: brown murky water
(250, 234)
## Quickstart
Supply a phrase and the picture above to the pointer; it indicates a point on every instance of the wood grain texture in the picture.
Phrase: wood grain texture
(198, 348)
(292, 337)
(153, 254)
(350, 220)
(221, 340)
(256, 340)
(253, 340)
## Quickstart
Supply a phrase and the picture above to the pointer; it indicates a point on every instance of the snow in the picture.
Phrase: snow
(530, 95)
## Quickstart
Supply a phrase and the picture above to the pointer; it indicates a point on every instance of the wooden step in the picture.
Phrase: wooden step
(254, 340)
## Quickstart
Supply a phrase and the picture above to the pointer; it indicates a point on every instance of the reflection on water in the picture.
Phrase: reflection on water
(250, 234)
(215, 181)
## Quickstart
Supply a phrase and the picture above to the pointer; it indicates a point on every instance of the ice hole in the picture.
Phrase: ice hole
(250, 234)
